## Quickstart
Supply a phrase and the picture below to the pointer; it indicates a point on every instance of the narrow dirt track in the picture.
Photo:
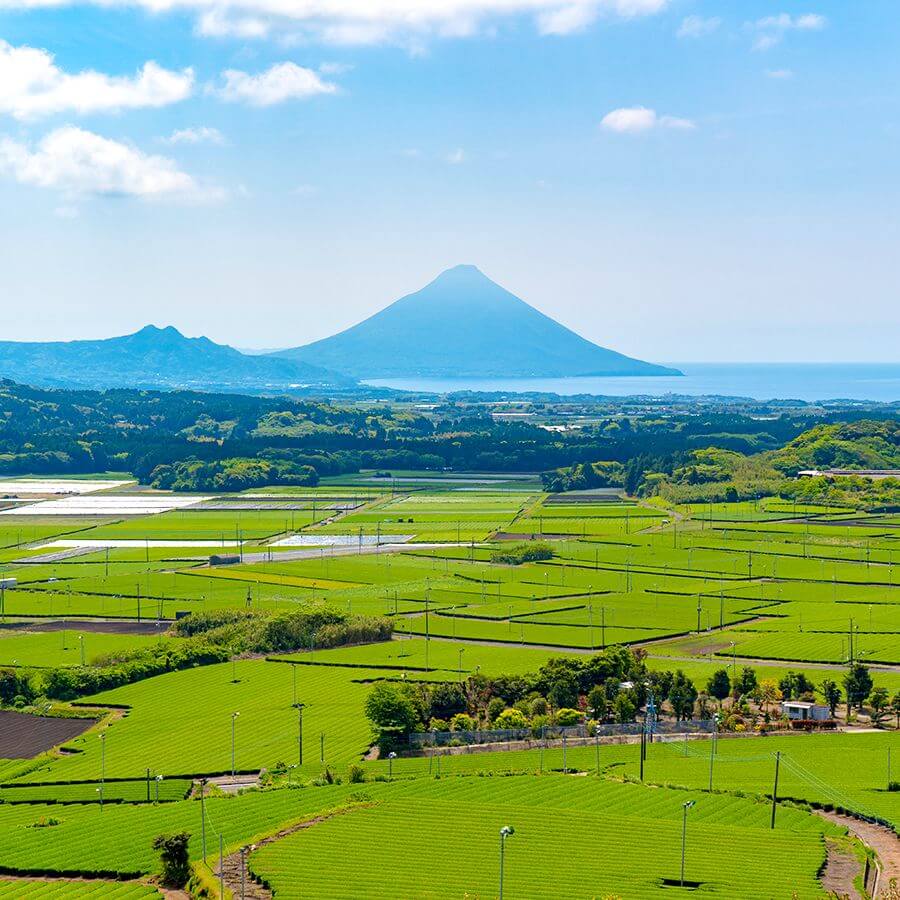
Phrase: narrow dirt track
(881, 839)
(233, 864)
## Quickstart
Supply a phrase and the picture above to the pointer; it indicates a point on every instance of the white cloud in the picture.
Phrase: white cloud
(640, 119)
(32, 85)
(698, 26)
(456, 157)
(199, 135)
(372, 21)
(567, 19)
(76, 161)
(779, 74)
(772, 29)
(284, 81)
(66, 212)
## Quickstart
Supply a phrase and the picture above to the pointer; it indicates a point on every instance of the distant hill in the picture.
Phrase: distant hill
(463, 324)
(866, 444)
(154, 358)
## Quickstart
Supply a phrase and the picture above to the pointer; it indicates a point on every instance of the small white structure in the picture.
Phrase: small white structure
(802, 710)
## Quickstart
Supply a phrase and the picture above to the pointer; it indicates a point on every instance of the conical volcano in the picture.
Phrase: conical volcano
(464, 324)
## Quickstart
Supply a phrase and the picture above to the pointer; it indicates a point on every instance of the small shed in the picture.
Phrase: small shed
(803, 710)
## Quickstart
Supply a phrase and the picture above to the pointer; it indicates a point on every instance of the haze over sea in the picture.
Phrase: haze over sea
(760, 381)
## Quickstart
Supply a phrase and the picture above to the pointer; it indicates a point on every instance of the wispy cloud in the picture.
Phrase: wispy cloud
(779, 74)
(283, 81)
(770, 30)
(199, 135)
(456, 157)
(32, 86)
(640, 120)
(698, 26)
(343, 22)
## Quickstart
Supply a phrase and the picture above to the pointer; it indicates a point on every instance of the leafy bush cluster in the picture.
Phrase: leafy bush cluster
(206, 638)
(258, 631)
(67, 683)
(523, 553)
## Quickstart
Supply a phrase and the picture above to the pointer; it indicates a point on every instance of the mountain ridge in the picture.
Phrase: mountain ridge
(454, 327)
(153, 357)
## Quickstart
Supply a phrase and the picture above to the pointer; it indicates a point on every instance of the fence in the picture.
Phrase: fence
(423, 739)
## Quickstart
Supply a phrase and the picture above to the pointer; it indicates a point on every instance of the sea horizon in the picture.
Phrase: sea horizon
(809, 382)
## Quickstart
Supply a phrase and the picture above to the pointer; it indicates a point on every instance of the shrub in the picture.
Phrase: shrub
(462, 722)
(567, 716)
(523, 553)
(174, 856)
(356, 774)
(537, 725)
(495, 707)
(15, 687)
(511, 718)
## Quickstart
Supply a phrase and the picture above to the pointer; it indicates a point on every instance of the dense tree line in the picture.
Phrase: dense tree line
(197, 441)
(612, 686)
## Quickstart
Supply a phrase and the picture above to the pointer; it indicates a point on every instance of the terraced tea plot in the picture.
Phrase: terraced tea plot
(66, 647)
(60, 889)
(578, 833)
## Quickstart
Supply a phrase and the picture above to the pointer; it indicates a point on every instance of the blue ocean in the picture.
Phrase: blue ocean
(759, 381)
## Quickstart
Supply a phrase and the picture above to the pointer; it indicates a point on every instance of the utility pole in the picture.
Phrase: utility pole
(775, 786)
(202, 815)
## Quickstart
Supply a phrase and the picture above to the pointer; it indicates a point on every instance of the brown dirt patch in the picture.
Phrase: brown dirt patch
(23, 736)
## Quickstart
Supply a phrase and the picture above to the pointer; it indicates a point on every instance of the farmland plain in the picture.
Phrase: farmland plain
(771, 585)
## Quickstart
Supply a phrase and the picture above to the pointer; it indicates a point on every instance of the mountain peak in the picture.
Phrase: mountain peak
(464, 324)
(464, 274)
(151, 332)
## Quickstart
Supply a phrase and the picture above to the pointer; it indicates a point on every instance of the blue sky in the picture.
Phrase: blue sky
(677, 180)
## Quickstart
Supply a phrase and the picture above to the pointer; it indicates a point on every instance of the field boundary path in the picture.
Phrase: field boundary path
(352, 550)
(879, 838)
(841, 868)
(253, 890)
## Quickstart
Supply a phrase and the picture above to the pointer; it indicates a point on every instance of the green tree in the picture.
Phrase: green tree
(857, 685)
(495, 708)
(682, 696)
(878, 700)
(393, 714)
(832, 694)
(895, 707)
(623, 709)
(747, 682)
(719, 685)
(173, 853)
(563, 692)
(596, 700)
(795, 685)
